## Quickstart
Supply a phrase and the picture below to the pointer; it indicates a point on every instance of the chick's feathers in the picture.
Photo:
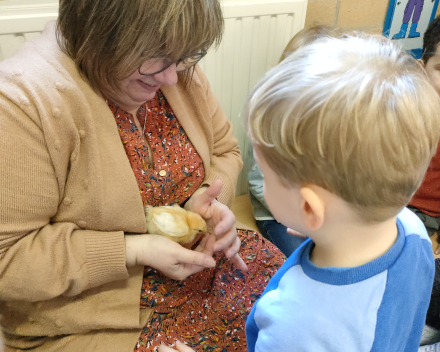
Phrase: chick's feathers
(174, 222)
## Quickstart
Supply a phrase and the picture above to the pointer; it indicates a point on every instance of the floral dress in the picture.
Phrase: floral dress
(208, 310)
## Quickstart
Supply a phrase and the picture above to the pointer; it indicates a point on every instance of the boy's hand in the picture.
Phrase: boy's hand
(296, 233)
(179, 346)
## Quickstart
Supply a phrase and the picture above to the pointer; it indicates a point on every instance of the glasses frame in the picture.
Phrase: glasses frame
(201, 55)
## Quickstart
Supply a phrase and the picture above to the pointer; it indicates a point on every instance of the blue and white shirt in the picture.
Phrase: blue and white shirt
(379, 306)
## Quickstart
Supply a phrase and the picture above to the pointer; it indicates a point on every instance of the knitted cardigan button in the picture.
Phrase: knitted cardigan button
(82, 224)
(56, 112)
(60, 86)
(25, 101)
(82, 134)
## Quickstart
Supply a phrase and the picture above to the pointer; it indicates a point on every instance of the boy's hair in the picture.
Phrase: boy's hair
(431, 38)
(355, 116)
(309, 35)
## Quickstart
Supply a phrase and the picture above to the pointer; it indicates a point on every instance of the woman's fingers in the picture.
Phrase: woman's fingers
(206, 245)
(201, 200)
(169, 257)
(234, 257)
(182, 347)
(225, 241)
(238, 263)
(230, 245)
(187, 256)
(163, 348)
(225, 218)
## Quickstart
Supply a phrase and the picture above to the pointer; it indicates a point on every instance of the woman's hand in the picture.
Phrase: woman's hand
(179, 345)
(220, 218)
(167, 256)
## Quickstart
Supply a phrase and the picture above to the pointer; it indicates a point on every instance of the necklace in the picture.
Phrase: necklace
(147, 142)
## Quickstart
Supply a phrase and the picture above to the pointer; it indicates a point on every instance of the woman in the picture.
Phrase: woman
(100, 116)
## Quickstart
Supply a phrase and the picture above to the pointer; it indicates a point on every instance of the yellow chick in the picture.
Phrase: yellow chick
(174, 222)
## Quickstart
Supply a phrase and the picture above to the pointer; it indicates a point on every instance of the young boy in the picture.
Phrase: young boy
(343, 131)
(268, 226)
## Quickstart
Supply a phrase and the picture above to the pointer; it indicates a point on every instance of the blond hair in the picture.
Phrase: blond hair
(355, 116)
(110, 39)
(309, 35)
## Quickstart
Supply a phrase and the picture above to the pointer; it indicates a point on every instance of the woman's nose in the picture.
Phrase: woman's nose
(168, 76)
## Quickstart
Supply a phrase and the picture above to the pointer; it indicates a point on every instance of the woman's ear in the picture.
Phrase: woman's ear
(312, 208)
(421, 62)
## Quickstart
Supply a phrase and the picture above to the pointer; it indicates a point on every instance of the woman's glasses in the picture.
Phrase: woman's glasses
(156, 65)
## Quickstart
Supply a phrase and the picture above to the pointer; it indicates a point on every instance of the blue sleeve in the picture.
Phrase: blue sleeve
(251, 326)
(402, 315)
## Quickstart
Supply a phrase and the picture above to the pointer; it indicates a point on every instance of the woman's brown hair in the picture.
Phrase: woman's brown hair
(109, 39)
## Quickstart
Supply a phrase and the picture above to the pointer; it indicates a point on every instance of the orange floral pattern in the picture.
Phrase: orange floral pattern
(208, 310)
(177, 169)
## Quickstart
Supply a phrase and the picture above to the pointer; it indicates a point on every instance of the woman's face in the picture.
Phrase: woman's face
(137, 89)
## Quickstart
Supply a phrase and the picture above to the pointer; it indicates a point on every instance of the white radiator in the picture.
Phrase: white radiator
(256, 33)
(23, 20)
(255, 36)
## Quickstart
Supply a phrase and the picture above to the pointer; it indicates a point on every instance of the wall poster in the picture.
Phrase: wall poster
(407, 20)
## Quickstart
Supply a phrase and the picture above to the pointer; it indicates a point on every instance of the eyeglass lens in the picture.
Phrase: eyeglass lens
(156, 65)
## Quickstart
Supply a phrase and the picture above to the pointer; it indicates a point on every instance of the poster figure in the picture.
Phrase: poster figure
(413, 9)
(407, 20)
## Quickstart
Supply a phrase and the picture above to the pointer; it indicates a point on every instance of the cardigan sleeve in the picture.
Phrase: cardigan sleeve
(41, 258)
(226, 162)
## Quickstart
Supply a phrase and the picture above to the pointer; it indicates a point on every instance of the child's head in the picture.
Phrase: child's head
(309, 35)
(431, 53)
(354, 116)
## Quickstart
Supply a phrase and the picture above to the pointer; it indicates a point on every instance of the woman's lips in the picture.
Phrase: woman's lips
(148, 87)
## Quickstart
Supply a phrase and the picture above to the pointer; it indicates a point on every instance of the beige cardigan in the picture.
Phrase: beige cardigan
(68, 195)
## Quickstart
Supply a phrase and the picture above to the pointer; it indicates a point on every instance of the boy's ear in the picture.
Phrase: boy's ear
(312, 208)
(421, 62)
